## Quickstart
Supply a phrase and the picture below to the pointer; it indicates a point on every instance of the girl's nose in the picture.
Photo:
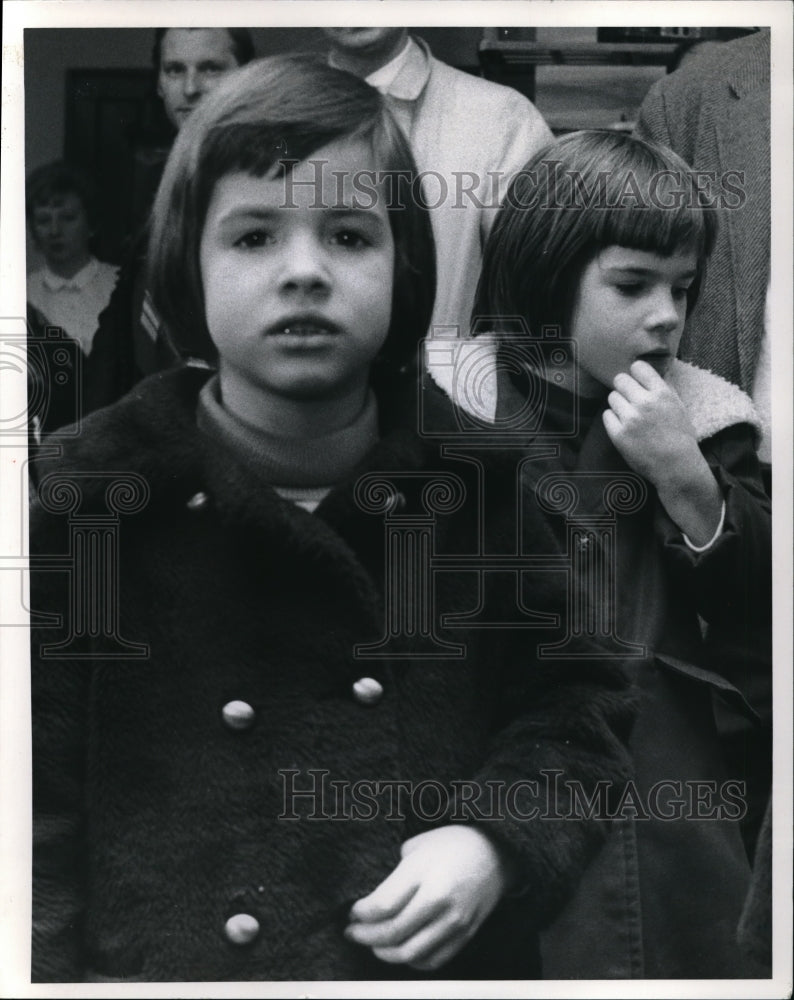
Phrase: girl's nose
(667, 311)
(305, 265)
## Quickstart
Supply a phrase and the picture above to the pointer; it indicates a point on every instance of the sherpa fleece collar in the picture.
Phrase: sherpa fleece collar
(712, 403)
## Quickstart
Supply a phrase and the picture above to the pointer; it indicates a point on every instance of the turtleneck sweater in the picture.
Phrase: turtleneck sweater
(302, 470)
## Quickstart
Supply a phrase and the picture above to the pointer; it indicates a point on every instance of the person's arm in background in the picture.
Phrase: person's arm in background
(652, 121)
(512, 147)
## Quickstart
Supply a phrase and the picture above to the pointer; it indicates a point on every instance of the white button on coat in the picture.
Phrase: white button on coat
(367, 690)
(198, 501)
(238, 715)
(242, 928)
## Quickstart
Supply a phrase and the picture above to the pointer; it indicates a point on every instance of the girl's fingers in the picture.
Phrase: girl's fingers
(619, 405)
(394, 932)
(629, 387)
(646, 375)
(435, 959)
(430, 940)
(388, 898)
(611, 423)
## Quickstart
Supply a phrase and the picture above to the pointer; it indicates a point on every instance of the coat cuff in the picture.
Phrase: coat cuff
(714, 537)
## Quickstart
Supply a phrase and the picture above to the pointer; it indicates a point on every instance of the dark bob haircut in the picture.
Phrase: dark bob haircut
(268, 116)
(51, 182)
(578, 195)
(242, 45)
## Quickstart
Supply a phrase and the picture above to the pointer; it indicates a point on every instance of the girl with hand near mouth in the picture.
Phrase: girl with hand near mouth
(599, 249)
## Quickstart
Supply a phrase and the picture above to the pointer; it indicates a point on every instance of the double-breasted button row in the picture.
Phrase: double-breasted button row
(367, 691)
(242, 928)
(238, 715)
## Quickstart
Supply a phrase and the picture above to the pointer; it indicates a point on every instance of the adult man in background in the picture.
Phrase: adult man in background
(191, 61)
(129, 343)
(468, 137)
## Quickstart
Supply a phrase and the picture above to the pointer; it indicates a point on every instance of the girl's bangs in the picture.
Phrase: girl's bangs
(654, 228)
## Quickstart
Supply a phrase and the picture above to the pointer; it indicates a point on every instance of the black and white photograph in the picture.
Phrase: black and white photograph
(395, 590)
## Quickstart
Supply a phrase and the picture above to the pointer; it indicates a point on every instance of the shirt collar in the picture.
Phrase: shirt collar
(56, 283)
(383, 78)
(412, 73)
(405, 76)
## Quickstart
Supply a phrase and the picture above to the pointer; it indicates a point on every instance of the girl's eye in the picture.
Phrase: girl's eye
(680, 293)
(253, 240)
(351, 239)
(629, 287)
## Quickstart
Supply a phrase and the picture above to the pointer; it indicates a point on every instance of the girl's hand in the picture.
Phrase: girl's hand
(434, 901)
(648, 425)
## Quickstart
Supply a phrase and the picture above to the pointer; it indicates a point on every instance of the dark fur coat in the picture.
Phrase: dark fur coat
(156, 820)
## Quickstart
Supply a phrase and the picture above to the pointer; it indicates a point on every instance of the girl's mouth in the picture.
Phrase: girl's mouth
(304, 326)
(660, 360)
(302, 331)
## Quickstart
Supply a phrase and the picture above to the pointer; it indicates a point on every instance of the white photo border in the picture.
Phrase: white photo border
(15, 830)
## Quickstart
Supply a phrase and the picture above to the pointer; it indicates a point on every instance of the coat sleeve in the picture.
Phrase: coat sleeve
(730, 584)
(559, 737)
(565, 752)
(59, 691)
(652, 123)
(733, 577)
(522, 132)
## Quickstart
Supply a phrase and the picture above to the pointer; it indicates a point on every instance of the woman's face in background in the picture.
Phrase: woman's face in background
(61, 231)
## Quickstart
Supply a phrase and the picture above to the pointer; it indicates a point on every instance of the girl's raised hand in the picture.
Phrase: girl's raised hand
(448, 881)
(648, 425)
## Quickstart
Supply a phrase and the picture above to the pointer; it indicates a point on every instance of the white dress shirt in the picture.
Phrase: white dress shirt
(469, 137)
(74, 303)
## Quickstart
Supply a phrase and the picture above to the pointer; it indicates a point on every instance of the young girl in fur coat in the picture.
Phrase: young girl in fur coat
(260, 751)
(599, 251)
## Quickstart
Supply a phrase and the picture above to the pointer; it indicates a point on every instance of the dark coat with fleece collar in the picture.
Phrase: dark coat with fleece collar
(162, 808)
